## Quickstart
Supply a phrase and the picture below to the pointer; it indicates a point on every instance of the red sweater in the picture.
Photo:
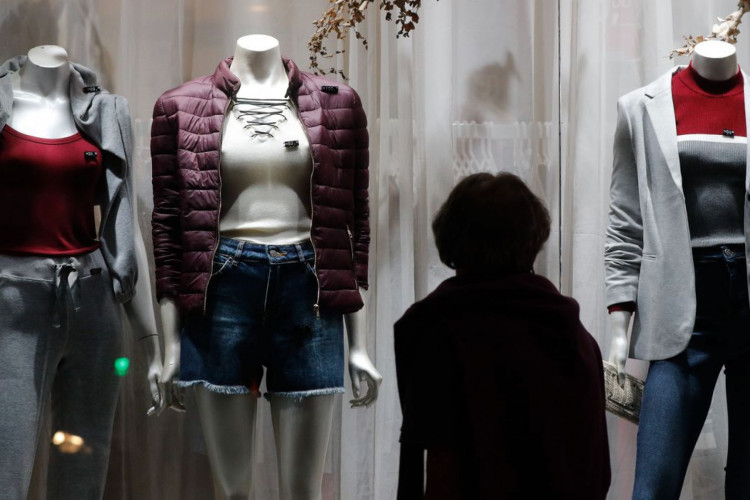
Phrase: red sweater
(47, 195)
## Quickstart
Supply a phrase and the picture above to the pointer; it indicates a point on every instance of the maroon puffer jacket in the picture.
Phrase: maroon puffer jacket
(185, 145)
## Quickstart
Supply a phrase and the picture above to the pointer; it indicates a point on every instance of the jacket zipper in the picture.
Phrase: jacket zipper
(316, 306)
(351, 250)
(218, 213)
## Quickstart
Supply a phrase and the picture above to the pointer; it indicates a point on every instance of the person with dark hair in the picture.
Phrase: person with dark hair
(518, 410)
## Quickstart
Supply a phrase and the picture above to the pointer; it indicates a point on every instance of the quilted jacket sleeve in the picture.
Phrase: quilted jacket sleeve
(361, 201)
(165, 219)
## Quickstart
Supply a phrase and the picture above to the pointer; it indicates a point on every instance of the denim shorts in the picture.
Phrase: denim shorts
(261, 311)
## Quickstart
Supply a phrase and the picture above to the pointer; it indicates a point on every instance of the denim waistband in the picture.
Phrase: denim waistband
(274, 254)
(727, 253)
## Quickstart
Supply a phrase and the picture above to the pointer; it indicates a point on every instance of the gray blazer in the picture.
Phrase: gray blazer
(647, 255)
(104, 119)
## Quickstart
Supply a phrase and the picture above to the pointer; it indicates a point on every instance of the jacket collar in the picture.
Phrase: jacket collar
(80, 101)
(229, 84)
(663, 83)
(660, 109)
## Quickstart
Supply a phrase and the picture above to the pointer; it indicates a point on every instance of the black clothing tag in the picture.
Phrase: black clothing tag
(291, 144)
(728, 133)
(94, 89)
(90, 155)
(330, 89)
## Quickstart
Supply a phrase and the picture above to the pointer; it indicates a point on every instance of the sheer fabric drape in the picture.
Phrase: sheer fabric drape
(474, 88)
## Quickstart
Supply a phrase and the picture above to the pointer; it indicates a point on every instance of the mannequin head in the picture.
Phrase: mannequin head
(715, 60)
(491, 224)
(48, 56)
(258, 43)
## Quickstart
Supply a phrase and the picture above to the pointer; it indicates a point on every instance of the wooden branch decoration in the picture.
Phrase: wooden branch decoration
(345, 16)
(725, 30)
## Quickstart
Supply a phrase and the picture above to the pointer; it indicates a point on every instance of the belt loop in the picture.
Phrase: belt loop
(239, 249)
(300, 252)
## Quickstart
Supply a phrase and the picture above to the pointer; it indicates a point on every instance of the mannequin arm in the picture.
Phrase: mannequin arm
(618, 348)
(361, 368)
(140, 313)
(170, 322)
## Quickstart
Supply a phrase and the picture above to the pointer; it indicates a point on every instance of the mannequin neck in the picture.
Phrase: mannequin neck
(715, 60)
(46, 73)
(257, 63)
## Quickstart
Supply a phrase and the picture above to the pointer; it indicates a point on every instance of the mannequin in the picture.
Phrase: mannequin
(676, 251)
(713, 60)
(42, 87)
(42, 111)
(266, 195)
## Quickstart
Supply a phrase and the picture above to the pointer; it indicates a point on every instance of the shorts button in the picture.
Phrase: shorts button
(728, 252)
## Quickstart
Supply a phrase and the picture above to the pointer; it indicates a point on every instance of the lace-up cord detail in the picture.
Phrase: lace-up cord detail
(260, 116)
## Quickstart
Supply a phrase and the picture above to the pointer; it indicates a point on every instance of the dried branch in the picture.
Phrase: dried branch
(345, 16)
(725, 30)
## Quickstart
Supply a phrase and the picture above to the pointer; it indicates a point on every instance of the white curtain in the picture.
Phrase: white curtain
(474, 88)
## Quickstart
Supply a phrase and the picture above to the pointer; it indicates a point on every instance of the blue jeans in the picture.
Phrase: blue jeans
(261, 312)
(678, 390)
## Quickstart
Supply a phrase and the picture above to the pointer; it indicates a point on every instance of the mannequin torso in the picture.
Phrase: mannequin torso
(265, 179)
(265, 185)
(42, 87)
(713, 60)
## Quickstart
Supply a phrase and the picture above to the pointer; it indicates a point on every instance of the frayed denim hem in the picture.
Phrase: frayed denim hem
(219, 389)
(303, 394)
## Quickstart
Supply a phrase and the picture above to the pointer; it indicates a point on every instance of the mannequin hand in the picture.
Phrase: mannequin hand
(618, 348)
(173, 394)
(156, 388)
(153, 354)
(170, 321)
(361, 370)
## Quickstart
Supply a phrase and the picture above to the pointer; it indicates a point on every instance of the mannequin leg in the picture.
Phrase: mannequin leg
(228, 423)
(301, 427)
(86, 388)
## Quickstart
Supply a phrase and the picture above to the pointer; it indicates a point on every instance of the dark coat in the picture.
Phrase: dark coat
(501, 382)
(185, 147)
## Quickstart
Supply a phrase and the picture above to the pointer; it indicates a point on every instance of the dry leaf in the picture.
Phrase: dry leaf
(345, 16)
(726, 30)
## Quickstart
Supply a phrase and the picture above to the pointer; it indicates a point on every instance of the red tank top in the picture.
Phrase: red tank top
(47, 194)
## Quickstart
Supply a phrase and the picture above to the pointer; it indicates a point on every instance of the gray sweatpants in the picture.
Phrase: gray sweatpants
(60, 333)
